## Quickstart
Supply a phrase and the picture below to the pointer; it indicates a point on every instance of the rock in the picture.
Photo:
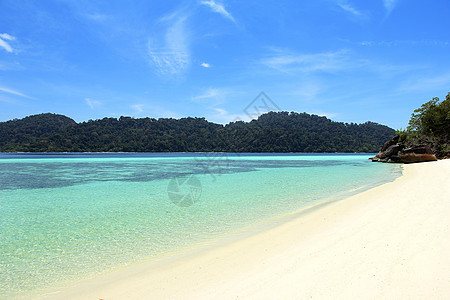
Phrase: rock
(414, 157)
(395, 152)
(445, 155)
(389, 148)
(389, 143)
(419, 153)
(420, 149)
(394, 159)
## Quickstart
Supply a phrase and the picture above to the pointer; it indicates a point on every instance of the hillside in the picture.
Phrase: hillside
(25, 133)
(271, 132)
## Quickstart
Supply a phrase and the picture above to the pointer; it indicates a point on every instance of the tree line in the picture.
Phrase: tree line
(271, 132)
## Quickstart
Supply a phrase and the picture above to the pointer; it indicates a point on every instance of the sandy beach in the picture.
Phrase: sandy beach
(390, 242)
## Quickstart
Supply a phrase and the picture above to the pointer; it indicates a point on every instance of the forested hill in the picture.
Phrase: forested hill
(271, 132)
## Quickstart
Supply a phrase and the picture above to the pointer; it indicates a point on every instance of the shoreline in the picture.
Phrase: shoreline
(337, 249)
(184, 152)
(211, 243)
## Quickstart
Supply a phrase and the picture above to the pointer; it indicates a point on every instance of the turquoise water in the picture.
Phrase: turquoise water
(72, 216)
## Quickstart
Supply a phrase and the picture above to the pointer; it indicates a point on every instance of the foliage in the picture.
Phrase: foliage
(430, 124)
(271, 132)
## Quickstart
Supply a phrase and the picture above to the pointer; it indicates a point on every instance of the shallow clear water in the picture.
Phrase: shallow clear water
(71, 216)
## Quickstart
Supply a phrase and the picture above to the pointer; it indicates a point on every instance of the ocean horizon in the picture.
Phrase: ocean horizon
(66, 217)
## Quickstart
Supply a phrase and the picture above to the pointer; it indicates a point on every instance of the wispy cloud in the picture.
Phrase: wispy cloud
(14, 92)
(307, 90)
(7, 100)
(429, 83)
(205, 65)
(161, 112)
(222, 116)
(10, 65)
(4, 37)
(211, 100)
(98, 17)
(153, 111)
(289, 62)
(169, 54)
(210, 93)
(138, 108)
(394, 43)
(349, 8)
(389, 5)
(329, 115)
(218, 8)
(93, 104)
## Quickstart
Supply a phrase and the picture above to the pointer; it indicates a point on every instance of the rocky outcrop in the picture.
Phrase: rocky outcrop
(395, 152)
(445, 155)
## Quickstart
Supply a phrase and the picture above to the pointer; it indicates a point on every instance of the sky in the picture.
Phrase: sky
(348, 60)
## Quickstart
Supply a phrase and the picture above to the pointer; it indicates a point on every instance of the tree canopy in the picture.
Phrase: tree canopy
(271, 132)
(430, 124)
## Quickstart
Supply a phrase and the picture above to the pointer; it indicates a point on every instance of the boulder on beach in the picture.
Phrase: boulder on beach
(395, 152)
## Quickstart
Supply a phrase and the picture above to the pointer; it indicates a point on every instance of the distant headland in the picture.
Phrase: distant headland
(272, 132)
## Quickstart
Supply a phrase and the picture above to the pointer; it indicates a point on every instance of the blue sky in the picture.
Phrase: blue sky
(349, 60)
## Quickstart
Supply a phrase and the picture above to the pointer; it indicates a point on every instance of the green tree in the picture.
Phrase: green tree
(430, 124)
(271, 132)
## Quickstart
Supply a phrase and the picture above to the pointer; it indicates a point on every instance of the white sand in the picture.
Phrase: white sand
(391, 242)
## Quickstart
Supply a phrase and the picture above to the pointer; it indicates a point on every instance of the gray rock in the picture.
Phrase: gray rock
(395, 152)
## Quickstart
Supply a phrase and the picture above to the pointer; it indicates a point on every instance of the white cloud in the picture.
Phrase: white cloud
(349, 8)
(153, 111)
(395, 43)
(289, 62)
(218, 8)
(222, 116)
(210, 93)
(307, 90)
(13, 92)
(329, 115)
(98, 17)
(389, 5)
(169, 54)
(161, 112)
(139, 108)
(6, 36)
(429, 83)
(10, 65)
(7, 100)
(211, 99)
(5, 45)
(92, 103)
(205, 65)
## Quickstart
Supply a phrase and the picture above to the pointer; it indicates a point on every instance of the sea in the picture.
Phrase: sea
(66, 217)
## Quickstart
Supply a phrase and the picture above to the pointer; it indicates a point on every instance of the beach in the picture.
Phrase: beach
(389, 242)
